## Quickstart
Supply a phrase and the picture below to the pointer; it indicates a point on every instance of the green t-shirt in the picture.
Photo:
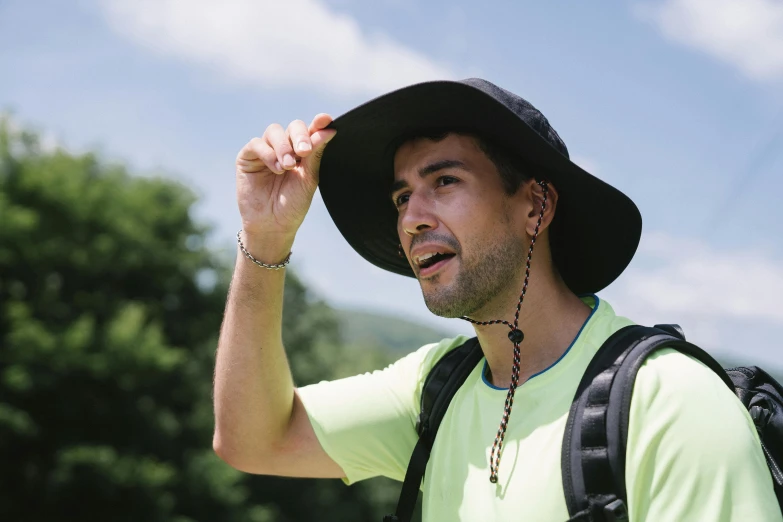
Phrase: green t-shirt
(693, 452)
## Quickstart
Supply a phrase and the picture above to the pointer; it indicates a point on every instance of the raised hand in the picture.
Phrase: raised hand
(277, 175)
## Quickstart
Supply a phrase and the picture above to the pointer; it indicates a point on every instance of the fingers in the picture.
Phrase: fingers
(312, 163)
(319, 122)
(278, 140)
(321, 138)
(267, 154)
(257, 154)
(280, 149)
(299, 137)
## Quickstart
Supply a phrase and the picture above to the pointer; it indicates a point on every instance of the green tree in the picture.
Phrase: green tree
(110, 306)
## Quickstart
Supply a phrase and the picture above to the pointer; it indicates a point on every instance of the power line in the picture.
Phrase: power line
(747, 176)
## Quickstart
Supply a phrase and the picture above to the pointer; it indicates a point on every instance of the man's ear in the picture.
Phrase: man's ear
(536, 193)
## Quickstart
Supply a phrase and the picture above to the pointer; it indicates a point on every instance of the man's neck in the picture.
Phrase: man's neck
(550, 318)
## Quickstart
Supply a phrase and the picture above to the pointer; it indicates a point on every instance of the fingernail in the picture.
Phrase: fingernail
(304, 146)
(278, 167)
(288, 161)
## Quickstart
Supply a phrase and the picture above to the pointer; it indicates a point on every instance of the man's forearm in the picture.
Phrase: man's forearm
(254, 389)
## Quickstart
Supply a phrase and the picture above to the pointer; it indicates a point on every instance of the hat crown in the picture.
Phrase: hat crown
(523, 109)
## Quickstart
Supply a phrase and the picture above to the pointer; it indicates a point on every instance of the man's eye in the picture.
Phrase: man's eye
(401, 199)
(447, 180)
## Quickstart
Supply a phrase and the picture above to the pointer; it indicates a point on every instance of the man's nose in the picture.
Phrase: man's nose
(418, 215)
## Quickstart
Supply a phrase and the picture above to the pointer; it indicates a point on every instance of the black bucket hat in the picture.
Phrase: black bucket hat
(596, 229)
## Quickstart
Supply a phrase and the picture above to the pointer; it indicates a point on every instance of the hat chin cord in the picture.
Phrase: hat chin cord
(516, 336)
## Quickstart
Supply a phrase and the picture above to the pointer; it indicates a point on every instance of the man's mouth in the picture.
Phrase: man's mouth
(429, 264)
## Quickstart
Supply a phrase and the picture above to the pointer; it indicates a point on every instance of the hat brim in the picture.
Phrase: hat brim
(596, 229)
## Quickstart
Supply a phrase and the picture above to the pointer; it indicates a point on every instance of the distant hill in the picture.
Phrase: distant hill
(397, 336)
(388, 332)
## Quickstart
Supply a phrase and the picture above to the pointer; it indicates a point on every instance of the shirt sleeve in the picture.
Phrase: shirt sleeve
(367, 423)
(693, 451)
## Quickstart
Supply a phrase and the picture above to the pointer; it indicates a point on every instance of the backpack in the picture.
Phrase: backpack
(593, 451)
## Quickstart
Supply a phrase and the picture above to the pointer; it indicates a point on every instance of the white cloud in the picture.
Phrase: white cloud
(273, 43)
(721, 284)
(722, 296)
(747, 34)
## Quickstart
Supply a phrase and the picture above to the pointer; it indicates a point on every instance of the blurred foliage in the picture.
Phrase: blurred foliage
(110, 306)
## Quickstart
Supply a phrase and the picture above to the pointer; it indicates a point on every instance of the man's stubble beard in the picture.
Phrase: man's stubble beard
(486, 271)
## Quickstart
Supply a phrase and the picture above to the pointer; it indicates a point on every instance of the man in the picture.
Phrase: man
(468, 188)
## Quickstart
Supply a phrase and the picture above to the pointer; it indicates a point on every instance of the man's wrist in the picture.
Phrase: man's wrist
(271, 249)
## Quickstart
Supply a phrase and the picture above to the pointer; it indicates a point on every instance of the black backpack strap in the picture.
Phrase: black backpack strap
(443, 381)
(594, 442)
(410, 487)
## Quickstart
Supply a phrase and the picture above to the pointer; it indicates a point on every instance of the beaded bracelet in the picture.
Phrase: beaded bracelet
(259, 263)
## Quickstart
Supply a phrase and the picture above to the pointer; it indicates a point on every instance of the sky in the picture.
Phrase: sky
(678, 103)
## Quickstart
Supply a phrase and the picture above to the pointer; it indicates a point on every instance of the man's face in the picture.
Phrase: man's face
(462, 234)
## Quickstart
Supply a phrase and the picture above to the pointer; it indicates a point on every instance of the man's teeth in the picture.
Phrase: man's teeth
(425, 258)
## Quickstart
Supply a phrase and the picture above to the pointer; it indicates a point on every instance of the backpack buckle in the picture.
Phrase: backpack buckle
(616, 511)
(422, 423)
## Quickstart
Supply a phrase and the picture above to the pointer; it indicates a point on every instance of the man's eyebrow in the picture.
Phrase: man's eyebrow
(441, 165)
(427, 170)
